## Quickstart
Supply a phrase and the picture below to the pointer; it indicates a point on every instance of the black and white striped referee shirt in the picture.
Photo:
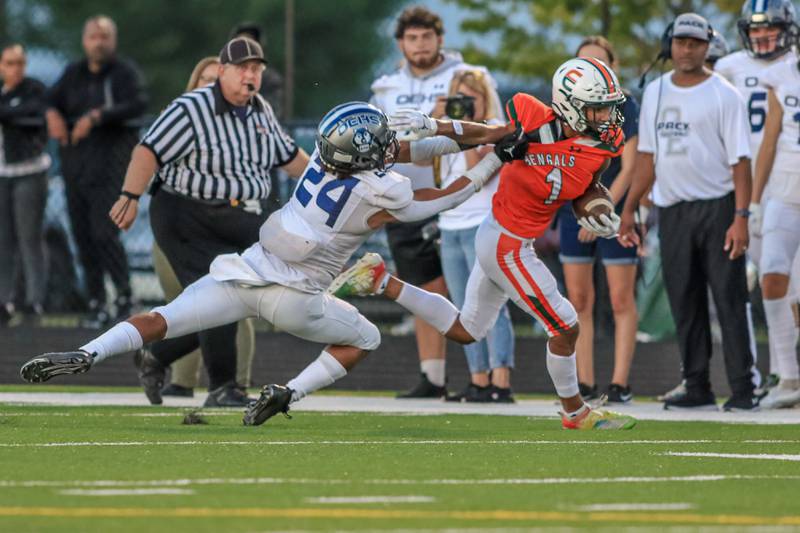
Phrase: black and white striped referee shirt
(206, 151)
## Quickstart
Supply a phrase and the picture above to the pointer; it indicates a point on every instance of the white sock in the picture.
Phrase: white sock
(122, 338)
(564, 373)
(782, 337)
(323, 371)
(434, 369)
(433, 308)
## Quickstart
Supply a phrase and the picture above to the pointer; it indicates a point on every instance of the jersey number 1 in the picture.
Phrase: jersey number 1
(330, 205)
(553, 177)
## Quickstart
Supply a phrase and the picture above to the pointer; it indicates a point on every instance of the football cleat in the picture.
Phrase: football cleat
(786, 394)
(360, 279)
(597, 419)
(42, 368)
(274, 399)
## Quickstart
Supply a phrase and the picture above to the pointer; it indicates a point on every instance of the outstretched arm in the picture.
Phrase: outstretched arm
(429, 202)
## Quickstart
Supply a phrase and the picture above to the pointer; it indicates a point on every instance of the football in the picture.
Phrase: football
(595, 201)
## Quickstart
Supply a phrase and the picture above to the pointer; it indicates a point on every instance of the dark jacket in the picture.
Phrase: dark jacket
(117, 90)
(22, 119)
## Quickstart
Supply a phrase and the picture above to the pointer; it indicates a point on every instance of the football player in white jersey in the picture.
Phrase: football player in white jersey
(778, 163)
(765, 28)
(347, 192)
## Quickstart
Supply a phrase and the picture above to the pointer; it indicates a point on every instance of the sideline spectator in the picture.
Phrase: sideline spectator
(419, 83)
(23, 182)
(694, 149)
(90, 106)
(490, 360)
(579, 247)
(208, 196)
(185, 372)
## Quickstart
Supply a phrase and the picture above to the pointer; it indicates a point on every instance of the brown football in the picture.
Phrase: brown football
(595, 201)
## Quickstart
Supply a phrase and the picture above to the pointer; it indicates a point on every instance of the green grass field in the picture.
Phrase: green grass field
(140, 469)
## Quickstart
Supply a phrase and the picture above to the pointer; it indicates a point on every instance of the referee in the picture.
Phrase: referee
(211, 151)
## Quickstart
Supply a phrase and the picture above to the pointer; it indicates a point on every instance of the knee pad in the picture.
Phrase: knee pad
(370, 337)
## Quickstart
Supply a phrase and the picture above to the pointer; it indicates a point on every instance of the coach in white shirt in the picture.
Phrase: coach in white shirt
(694, 150)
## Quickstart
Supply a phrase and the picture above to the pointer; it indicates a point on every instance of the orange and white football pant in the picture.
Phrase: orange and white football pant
(507, 267)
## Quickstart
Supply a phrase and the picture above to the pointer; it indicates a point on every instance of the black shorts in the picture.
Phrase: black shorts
(416, 259)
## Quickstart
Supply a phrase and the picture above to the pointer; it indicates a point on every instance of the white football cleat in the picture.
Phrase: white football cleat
(786, 394)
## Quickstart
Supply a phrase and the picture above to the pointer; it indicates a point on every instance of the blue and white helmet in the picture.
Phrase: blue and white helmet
(717, 48)
(355, 136)
(764, 14)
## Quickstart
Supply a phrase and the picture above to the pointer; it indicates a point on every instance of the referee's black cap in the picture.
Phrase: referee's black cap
(241, 49)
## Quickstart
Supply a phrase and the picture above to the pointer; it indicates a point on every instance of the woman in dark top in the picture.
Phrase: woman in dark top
(23, 182)
(580, 247)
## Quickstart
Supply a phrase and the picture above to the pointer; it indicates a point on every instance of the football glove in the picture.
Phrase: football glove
(606, 226)
(756, 219)
(412, 124)
(512, 147)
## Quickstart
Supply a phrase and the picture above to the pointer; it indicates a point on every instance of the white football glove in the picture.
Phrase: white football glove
(412, 124)
(606, 226)
(756, 219)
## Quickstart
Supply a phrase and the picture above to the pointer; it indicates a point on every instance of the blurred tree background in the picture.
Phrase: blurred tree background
(337, 45)
(536, 36)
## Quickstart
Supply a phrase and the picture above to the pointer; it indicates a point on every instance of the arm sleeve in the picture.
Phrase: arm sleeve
(130, 99)
(55, 96)
(735, 126)
(172, 136)
(281, 143)
(646, 125)
(32, 107)
(420, 210)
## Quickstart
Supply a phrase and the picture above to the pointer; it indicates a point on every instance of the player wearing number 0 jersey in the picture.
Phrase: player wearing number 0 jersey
(767, 29)
(778, 164)
(568, 147)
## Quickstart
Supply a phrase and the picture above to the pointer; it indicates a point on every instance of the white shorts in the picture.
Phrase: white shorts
(780, 237)
(318, 317)
(507, 267)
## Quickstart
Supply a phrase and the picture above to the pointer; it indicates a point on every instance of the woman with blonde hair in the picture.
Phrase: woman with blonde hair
(185, 374)
(472, 97)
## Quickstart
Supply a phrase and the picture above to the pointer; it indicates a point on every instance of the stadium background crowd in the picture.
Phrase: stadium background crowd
(64, 280)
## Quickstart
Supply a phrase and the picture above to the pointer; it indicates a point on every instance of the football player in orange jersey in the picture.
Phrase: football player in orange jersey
(568, 147)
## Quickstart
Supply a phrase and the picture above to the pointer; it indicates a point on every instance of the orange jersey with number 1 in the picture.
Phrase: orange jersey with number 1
(554, 171)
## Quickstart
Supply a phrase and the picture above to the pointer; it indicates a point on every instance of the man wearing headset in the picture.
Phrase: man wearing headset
(694, 150)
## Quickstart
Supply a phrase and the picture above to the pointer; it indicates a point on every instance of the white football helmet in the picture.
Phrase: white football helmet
(582, 83)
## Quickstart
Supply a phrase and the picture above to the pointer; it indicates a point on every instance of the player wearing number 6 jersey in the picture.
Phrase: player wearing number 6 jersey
(345, 194)
(570, 145)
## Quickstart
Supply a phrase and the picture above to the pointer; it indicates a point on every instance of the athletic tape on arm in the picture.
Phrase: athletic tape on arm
(426, 149)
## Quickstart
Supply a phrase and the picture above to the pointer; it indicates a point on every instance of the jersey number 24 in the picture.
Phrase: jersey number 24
(325, 200)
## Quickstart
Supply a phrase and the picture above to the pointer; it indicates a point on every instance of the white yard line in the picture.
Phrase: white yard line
(385, 405)
(325, 481)
(762, 456)
(127, 492)
(371, 499)
(636, 507)
(380, 442)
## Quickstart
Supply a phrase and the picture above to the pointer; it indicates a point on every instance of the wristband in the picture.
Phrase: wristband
(130, 195)
(744, 213)
(458, 128)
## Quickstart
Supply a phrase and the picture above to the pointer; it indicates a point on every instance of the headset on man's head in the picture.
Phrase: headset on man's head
(665, 53)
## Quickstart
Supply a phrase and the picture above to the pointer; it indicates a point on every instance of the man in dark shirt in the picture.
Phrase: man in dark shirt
(92, 107)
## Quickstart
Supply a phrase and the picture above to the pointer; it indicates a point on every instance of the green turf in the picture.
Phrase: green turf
(376, 452)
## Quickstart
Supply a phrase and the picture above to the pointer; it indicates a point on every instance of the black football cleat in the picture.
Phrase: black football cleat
(229, 394)
(424, 389)
(274, 399)
(42, 368)
(151, 375)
